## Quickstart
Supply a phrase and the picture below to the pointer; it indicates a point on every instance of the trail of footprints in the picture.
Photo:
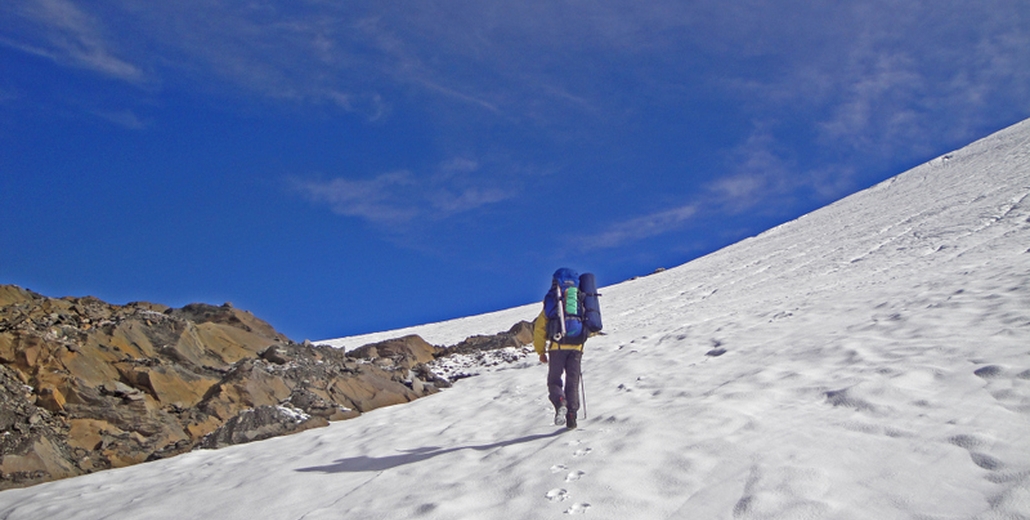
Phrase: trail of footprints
(571, 476)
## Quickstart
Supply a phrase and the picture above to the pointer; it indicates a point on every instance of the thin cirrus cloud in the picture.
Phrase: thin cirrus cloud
(872, 72)
(400, 197)
(67, 35)
(639, 228)
(874, 79)
(380, 200)
(124, 118)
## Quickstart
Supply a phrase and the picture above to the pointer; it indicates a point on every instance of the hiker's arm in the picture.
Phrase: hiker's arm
(540, 336)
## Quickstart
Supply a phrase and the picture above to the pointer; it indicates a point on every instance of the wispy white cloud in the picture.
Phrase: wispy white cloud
(883, 79)
(759, 172)
(887, 90)
(639, 228)
(461, 184)
(457, 94)
(70, 36)
(878, 102)
(758, 178)
(382, 200)
(124, 118)
(401, 197)
(763, 173)
(873, 78)
(459, 165)
(467, 199)
(756, 174)
(855, 67)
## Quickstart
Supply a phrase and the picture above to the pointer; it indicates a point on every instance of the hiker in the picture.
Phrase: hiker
(571, 312)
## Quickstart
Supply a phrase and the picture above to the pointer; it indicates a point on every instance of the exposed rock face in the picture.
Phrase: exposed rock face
(87, 386)
(32, 438)
(409, 350)
(520, 334)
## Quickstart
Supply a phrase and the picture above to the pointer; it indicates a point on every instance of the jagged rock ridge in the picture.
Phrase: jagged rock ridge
(88, 385)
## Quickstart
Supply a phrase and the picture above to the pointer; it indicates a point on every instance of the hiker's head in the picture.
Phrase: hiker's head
(565, 277)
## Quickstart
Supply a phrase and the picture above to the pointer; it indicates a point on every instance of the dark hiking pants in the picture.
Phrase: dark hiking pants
(567, 362)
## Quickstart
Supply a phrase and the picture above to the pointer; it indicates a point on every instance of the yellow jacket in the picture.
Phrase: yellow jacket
(540, 339)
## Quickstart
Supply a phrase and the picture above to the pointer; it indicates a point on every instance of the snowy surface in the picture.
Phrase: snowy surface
(874, 364)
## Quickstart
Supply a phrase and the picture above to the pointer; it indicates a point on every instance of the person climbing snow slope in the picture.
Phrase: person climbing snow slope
(571, 313)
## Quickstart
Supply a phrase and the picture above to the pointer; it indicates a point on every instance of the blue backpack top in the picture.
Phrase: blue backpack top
(571, 307)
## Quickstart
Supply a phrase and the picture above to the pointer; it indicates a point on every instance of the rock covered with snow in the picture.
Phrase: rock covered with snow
(478, 354)
(259, 423)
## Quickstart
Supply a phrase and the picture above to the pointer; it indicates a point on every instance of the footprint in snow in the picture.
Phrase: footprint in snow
(577, 509)
(558, 468)
(574, 476)
(972, 444)
(557, 495)
(581, 452)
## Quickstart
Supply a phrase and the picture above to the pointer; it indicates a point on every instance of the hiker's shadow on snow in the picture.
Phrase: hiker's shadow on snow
(363, 463)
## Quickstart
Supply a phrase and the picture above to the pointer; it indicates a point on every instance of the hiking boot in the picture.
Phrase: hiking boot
(570, 421)
(560, 414)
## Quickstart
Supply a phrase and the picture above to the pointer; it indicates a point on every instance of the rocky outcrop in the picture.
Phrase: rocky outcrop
(87, 386)
(407, 351)
(519, 335)
(478, 354)
(262, 422)
(32, 440)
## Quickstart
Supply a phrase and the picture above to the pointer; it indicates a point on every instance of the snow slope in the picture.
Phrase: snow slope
(875, 364)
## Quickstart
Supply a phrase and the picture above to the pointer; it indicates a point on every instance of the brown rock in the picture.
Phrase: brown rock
(199, 429)
(88, 386)
(228, 343)
(7, 352)
(170, 385)
(51, 398)
(247, 386)
(231, 317)
(12, 294)
(372, 390)
(88, 434)
(523, 332)
(178, 387)
(42, 459)
(260, 423)
(91, 370)
(29, 352)
(405, 352)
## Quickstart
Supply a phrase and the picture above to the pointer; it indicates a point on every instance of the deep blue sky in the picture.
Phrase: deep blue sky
(341, 167)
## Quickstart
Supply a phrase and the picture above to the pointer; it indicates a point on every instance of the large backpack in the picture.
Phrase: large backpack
(572, 307)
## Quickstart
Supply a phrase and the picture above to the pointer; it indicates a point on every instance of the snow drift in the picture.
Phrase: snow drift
(869, 360)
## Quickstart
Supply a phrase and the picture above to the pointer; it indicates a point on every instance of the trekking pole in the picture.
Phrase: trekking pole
(583, 393)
